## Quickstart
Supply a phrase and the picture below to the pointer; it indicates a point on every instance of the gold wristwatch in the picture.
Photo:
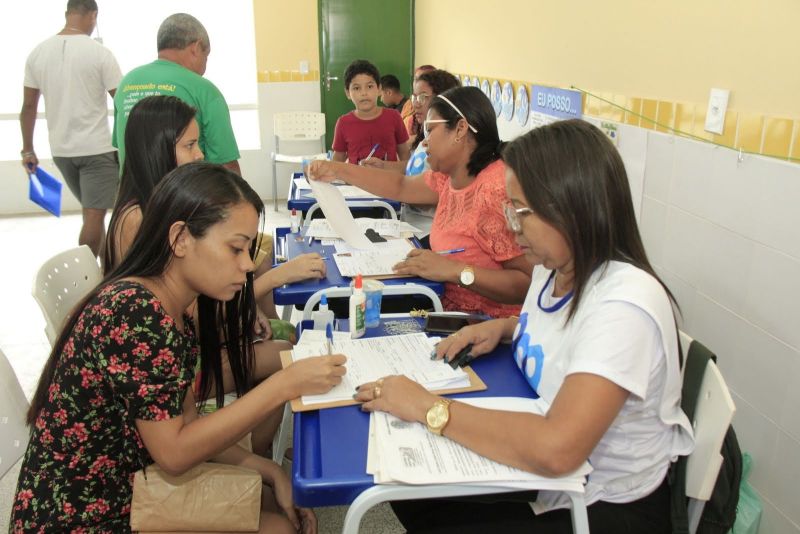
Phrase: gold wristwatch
(438, 416)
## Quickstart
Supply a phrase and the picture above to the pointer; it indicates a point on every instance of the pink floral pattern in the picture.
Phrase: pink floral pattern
(125, 360)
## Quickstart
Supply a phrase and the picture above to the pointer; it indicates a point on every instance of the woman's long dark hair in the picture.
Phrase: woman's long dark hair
(154, 127)
(574, 179)
(478, 110)
(440, 81)
(201, 195)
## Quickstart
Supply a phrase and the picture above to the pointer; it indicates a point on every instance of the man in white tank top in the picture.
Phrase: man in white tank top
(74, 73)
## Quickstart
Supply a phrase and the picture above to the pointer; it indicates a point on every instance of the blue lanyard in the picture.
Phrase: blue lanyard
(558, 305)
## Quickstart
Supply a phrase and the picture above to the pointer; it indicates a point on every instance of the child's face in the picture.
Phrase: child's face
(363, 92)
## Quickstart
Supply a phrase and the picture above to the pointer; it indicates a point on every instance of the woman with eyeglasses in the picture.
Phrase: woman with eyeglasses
(596, 340)
(466, 183)
(426, 86)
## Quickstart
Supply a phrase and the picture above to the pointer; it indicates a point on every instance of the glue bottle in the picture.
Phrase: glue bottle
(295, 221)
(322, 316)
(358, 309)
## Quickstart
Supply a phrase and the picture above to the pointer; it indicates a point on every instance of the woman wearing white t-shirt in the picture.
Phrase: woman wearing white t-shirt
(596, 340)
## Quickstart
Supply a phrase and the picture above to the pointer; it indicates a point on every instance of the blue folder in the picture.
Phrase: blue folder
(45, 190)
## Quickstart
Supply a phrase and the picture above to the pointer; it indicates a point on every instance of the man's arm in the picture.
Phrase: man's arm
(27, 122)
(233, 166)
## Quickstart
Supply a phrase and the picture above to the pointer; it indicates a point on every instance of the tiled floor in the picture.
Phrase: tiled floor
(28, 242)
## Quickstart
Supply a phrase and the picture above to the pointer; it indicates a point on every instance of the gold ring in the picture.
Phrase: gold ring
(376, 392)
(379, 382)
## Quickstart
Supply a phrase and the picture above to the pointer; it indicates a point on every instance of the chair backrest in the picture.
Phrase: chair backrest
(61, 282)
(369, 203)
(14, 432)
(299, 125)
(398, 289)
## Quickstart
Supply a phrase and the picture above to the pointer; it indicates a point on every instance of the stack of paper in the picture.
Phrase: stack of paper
(369, 359)
(321, 229)
(406, 453)
(376, 262)
(347, 191)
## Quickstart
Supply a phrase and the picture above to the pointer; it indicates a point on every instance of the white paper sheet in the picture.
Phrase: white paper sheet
(376, 262)
(403, 452)
(321, 229)
(347, 191)
(371, 358)
(338, 215)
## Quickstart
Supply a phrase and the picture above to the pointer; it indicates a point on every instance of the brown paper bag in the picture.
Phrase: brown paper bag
(209, 497)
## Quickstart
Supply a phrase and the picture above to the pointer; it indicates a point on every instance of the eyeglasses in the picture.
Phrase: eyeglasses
(513, 216)
(420, 98)
(425, 130)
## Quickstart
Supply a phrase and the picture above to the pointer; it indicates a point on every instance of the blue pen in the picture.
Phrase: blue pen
(451, 251)
(371, 152)
(329, 335)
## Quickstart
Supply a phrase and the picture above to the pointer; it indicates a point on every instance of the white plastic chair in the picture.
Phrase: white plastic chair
(712, 417)
(294, 126)
(370, 203)
(14, 432)
(61, 282)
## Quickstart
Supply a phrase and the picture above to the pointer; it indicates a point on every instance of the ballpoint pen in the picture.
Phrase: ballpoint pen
(329, 336)
(371, 153)
(451, 251)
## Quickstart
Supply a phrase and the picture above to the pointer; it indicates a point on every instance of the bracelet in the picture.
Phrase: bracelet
(26, 154)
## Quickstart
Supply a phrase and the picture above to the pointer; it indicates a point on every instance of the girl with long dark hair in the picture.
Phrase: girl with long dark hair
(116, 392)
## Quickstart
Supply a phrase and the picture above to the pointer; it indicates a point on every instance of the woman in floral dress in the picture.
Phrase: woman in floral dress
(115, 394)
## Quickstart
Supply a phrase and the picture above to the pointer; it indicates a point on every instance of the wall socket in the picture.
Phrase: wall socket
(717, 106)
(304, 67)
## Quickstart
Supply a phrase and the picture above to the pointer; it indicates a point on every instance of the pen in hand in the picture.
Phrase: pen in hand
(451, 251)
(329, 336)
(371, 153)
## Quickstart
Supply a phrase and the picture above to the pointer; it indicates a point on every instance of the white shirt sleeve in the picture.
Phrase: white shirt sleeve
(30, 75)
(620, 342)
(111, 71)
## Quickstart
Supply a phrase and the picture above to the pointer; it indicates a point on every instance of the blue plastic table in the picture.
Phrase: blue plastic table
(330, 446)
(303, 203)
(290, 245)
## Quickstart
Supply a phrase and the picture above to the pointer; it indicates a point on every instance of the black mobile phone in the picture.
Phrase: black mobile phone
(447, 323)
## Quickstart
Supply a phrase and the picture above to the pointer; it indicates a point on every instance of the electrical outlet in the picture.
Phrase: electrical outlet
(611, 131)
(717, 106)
(304, 67)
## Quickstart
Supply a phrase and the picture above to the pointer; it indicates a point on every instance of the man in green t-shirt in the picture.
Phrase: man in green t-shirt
(183, 49)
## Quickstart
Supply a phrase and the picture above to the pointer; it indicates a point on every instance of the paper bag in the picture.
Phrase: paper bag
(209, 497)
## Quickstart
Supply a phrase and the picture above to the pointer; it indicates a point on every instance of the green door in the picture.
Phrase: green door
(381, 31)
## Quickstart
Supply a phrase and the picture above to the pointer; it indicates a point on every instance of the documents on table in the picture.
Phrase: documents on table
(369, 359)
(376, 262)
(347, 191)
(321, 229)
(403, 452)
(338, 214)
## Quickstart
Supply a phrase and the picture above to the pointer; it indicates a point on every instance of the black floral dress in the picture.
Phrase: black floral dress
(126, 359)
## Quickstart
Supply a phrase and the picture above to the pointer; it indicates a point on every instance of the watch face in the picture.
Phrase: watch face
(436, 416)
(467, 277)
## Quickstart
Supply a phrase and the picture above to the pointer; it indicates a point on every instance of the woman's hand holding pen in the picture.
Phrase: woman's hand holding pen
(315, 375)
(373, 162)
(430, 265)
(322, 170)
(483, 337)
(397, 395)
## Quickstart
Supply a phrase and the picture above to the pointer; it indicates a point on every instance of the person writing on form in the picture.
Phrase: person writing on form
(596, 340)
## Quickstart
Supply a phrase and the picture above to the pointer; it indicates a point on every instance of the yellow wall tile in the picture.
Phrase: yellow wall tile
(634, 106)
(728, 137)
(649, 111)
(795, 154)
(749, 132)
(592, 106)
(286, 76)
(777, 137)
(666, 116)
(699, 126)
(605, 106)
(296, 76)
(684, 117)
(618, 109)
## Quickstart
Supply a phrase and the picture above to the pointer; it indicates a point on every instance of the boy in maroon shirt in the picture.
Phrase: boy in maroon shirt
(369, 130)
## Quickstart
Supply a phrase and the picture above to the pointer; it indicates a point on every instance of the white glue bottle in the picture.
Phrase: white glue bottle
(358, 309)
(322, 316)
(295, 221)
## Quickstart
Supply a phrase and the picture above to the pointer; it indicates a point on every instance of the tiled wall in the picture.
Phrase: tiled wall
(268, 76)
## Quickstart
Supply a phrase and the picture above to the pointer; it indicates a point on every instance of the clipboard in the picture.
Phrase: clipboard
(475, 384)
(45, 190)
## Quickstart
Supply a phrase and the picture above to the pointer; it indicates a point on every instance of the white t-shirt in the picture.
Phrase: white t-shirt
(419, 216)
(74, 73)
(623, 331)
